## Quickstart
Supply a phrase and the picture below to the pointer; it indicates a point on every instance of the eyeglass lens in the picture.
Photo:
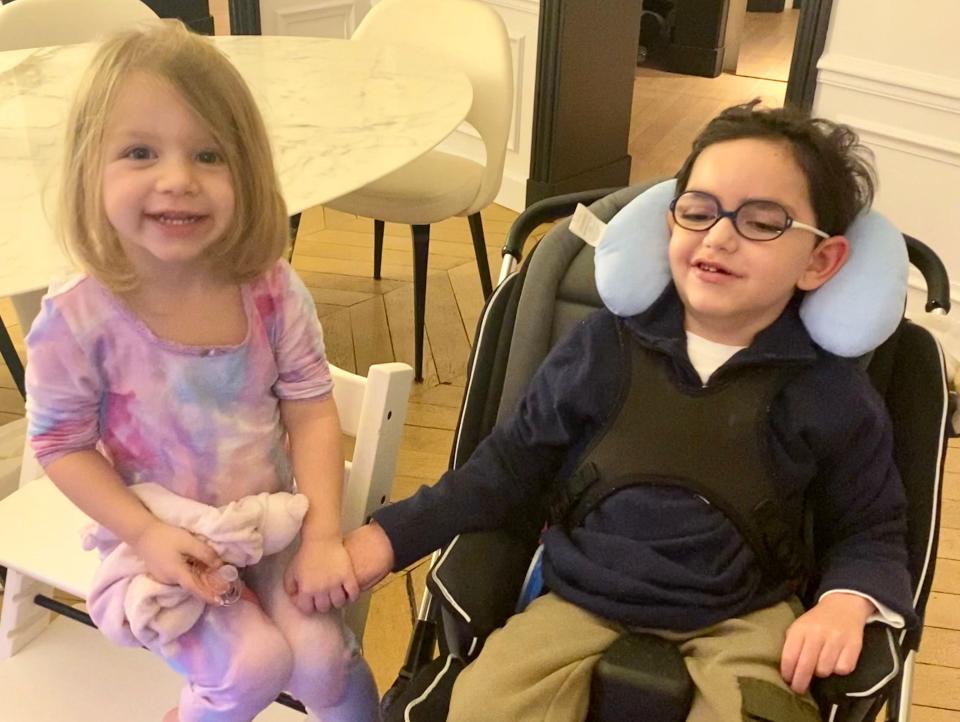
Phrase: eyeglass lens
(757, 220)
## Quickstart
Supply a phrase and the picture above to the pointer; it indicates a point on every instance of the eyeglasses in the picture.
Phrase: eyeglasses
(754, 220)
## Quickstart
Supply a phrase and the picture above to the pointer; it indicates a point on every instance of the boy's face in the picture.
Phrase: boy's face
(731, 287)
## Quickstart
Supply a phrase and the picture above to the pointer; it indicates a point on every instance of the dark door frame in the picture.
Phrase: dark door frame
(244, 17)
(553, 104)
(807, 49)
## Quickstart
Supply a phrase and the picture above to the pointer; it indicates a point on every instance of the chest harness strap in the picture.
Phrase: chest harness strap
(711, 441)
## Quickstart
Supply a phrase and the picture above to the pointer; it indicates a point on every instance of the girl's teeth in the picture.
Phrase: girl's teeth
(179, 221)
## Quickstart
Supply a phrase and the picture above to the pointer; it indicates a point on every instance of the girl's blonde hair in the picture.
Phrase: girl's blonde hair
(258, 233)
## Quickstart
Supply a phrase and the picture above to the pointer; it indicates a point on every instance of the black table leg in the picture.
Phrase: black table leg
(11, 359)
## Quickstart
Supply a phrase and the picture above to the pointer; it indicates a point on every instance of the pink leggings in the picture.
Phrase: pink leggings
(237, 659)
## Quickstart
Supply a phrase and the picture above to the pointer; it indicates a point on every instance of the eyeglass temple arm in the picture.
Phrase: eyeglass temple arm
(803, 226)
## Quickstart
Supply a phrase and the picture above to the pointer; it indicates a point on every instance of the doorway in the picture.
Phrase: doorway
(669, 109)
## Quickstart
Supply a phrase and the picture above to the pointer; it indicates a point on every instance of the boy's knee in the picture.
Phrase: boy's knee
(473, 700)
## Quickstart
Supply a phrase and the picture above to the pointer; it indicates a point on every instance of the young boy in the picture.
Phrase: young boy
(761, 204)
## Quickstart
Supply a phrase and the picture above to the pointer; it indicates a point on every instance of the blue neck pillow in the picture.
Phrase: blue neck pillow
(849, 315)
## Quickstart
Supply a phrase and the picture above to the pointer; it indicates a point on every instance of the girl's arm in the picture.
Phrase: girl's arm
(65, 391)
(89, 481)
(320, 575)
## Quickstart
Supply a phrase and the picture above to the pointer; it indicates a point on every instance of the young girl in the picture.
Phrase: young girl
(190, 356)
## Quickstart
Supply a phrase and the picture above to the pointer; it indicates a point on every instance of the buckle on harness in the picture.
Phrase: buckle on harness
(786, 557)
(570, 492)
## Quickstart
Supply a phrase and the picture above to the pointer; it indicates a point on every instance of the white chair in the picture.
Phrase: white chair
(36, 23)
(471, 36)
(56, 670)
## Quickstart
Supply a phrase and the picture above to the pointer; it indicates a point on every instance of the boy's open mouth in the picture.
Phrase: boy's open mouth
(712, 268)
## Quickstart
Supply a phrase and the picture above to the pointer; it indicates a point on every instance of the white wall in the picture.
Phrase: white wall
(891, 70)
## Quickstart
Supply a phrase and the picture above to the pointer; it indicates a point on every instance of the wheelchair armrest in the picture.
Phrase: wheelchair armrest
(640, 672)
(479, 576)
(879, 664)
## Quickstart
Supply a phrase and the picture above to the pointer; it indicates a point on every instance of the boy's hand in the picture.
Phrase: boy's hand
(371, 553)
(826, 640)
(173, 556)
(320, 577)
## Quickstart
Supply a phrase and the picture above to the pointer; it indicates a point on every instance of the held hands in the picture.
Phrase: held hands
(825, 640)
(320, 577)
(175, 556)
(371, 553)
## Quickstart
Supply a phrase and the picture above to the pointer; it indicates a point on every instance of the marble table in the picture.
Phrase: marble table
(340, 115)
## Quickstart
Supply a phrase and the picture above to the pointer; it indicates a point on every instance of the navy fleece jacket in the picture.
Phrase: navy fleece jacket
(661, 557)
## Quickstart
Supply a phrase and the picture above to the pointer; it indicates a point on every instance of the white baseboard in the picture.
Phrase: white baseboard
(513, 193)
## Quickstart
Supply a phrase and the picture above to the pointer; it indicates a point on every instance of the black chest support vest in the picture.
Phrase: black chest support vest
(712, 441)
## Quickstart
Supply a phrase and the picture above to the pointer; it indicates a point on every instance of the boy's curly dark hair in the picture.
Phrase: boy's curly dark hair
(837, 166)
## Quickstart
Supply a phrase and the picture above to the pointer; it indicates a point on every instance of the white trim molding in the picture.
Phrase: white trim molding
(517, 48)
(915, 87)
(296, 19)
(904, 140)
(524, 6)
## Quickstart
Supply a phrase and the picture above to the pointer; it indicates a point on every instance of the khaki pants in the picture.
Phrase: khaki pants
(538, 668)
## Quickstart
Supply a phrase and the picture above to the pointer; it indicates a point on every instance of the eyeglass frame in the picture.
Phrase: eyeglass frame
(722, 213)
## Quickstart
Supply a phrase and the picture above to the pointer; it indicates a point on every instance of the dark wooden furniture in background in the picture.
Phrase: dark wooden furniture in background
(244, 17)
(194, 13)
(807, 49)
(699, 37)
(766, 6)
(586, 60)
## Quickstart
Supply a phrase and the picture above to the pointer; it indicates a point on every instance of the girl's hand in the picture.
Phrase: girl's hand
(175, 556)
(826, 640)
(371, 553)
(320, 577)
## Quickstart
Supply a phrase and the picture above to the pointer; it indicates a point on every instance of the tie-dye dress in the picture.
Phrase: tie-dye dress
(203, 422)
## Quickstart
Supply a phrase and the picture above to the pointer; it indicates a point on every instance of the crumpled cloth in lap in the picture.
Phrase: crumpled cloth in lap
(133, 609)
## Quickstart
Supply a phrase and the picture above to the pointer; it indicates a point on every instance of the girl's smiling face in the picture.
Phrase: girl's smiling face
(731, 287)
(167, 191)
